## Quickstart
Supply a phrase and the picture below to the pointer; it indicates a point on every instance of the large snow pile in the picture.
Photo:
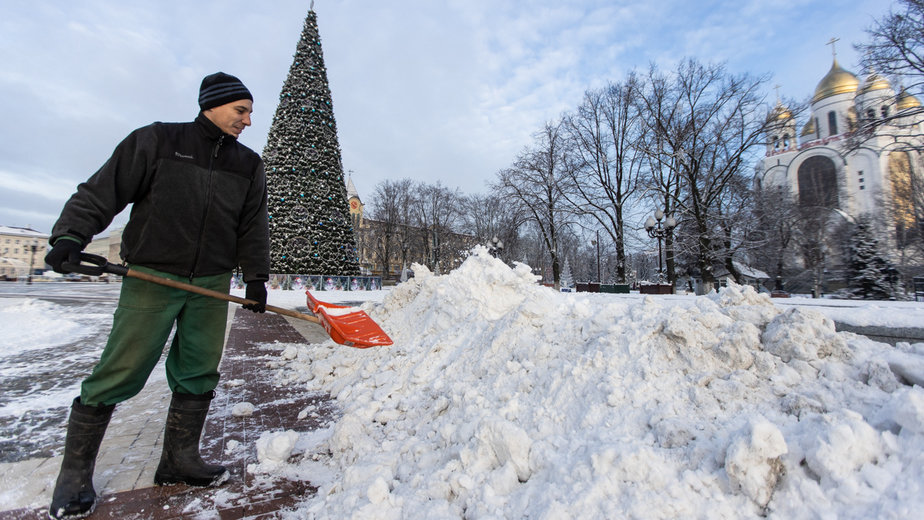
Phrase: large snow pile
(504, 399)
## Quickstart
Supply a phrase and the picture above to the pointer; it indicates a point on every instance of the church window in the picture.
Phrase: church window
(885, 111)
(817, 178)
(871, 113)
(785, 140)
(832, 123)
(776, 143)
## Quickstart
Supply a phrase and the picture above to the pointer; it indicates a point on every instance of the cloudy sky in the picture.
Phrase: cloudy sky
(431, 90)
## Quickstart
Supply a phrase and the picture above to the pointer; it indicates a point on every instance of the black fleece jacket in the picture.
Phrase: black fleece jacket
(199, 202)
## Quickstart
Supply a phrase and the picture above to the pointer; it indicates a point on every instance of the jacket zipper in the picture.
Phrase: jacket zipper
(205, 210)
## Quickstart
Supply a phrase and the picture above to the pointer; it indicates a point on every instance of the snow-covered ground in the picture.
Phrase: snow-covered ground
(864, 313)
(46, 347)
(501, 398)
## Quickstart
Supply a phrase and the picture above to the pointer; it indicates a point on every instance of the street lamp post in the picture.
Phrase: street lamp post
(657, 230)
(34, 247)
(597, 243)
(496, 246)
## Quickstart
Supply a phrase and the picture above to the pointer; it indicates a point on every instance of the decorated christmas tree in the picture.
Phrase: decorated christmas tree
(310, 228)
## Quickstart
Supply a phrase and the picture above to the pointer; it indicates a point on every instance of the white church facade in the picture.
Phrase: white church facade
(823, 162)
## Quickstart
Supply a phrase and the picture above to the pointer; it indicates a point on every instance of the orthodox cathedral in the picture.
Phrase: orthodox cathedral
(856, 153)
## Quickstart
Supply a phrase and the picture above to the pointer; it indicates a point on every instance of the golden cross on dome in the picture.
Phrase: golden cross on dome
(831, 42)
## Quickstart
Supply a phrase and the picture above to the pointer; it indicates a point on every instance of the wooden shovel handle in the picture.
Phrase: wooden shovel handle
(97, 265)
(214, 294)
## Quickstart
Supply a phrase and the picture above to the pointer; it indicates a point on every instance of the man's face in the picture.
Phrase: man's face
(232, 117)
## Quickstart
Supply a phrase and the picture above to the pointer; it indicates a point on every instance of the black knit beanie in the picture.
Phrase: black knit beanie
(220, 88)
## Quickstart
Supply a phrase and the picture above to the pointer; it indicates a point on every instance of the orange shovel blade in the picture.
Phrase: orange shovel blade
(353, 328)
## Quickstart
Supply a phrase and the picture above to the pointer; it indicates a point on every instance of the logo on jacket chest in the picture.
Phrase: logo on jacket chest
(183, 155)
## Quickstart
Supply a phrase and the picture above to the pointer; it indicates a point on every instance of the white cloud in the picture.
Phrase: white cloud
(42, 185)
(445, 91)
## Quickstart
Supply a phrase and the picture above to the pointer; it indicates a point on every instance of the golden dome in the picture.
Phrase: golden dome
(874, 82)
(779, 114)
(809, 128)
(836, 81)
(906, 100)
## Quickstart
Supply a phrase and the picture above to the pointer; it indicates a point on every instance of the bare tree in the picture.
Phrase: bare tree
(533, 183)
(390, 211)
(716, 119)
(775, 217)
(603, 135)
(663, 146)
(490, 216)
(406, 234)
(735, 225)
(532, 247)
(437, 213)
(896, 50)
(896, 45)
(386, 215)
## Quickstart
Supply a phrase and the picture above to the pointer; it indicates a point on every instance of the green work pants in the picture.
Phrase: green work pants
(141, 325)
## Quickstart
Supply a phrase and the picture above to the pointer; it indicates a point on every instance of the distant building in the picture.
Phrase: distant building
(357, 208)
(370, 236)
(107, 246)
(21, 249)
(823, 166)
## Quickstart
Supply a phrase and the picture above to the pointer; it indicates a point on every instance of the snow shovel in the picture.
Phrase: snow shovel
(345, 325)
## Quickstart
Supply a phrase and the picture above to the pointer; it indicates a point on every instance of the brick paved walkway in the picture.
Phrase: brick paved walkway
(131, 449)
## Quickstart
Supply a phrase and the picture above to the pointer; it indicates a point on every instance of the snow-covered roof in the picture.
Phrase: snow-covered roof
(24, 232)
(745, 270)
(749, 271)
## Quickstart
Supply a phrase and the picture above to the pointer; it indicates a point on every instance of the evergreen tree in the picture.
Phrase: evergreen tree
(567, 280)
(869, 272)
(310, 228)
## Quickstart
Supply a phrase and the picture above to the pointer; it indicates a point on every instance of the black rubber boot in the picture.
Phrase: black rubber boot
(180, 462)
(74, 495)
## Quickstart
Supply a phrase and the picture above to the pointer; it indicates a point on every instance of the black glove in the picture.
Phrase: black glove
(256, 291)
(64, 250)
